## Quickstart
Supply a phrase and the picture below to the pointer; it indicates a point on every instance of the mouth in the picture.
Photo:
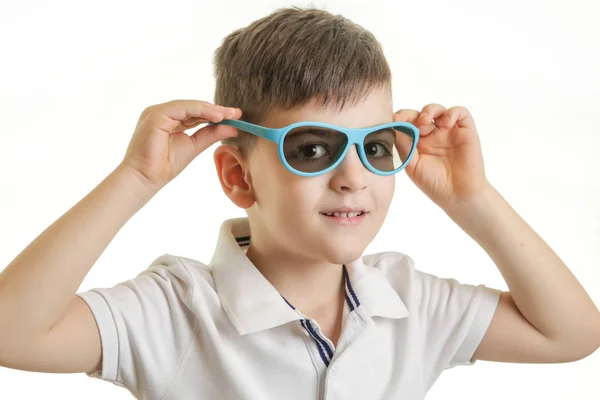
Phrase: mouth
(339, 214)
(345, 216)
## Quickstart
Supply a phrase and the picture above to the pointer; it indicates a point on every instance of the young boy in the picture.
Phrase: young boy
(289, 308)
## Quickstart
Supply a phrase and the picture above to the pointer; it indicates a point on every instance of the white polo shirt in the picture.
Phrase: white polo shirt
(185, 330)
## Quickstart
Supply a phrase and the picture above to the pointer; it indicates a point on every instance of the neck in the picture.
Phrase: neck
(313, 287)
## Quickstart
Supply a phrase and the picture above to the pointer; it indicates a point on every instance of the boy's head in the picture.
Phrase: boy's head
(303, 65)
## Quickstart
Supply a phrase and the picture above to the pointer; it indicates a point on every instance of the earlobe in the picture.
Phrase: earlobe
(232, 169)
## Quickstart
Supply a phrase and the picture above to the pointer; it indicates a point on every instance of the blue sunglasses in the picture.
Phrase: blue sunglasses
(315, 148)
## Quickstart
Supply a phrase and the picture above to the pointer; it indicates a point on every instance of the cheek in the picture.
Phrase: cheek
(384, 190)
(298, 193)
(278, 189)
(267, 174)
(305, 193)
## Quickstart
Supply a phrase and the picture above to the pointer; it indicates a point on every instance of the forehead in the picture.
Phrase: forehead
(373, 109)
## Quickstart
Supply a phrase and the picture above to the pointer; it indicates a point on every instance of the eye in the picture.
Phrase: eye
(376, 149)
(312, 151)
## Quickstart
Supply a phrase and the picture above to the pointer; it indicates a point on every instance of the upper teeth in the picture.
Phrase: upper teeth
(344, 215)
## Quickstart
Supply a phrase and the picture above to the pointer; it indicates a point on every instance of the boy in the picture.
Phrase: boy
(289, 308)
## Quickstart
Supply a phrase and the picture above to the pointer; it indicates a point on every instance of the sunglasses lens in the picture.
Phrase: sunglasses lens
(312, 148)
(388, 149)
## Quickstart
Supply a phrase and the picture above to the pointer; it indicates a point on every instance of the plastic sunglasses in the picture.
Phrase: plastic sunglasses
(315, 148)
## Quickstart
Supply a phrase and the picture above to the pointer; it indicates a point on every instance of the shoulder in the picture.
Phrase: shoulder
(184, 268)
(417, 286)
(398, 268)
(389, 261)
(181, 274)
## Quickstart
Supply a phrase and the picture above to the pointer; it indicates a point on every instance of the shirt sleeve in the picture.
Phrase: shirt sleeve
(144, 326)
(454, 318)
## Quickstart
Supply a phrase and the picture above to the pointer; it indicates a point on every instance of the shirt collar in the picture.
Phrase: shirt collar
(253, 304)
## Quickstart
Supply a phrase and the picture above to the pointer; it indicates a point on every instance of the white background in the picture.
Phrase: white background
(75, 77)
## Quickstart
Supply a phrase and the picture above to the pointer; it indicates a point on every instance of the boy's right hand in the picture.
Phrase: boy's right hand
(44, 277)
(160, 149)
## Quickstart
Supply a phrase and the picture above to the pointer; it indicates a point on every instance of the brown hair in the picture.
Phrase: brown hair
(292, 56)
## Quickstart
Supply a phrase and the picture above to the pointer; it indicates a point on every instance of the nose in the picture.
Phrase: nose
(350, 174)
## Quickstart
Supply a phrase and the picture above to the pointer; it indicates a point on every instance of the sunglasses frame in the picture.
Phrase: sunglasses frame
(355, 136)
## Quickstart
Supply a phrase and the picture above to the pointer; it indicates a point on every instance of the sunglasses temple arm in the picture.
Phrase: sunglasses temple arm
(267, 133)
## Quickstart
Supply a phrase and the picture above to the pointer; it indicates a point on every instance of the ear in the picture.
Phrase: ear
(232, 169)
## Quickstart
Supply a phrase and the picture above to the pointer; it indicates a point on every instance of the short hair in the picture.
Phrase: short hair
(294, 56)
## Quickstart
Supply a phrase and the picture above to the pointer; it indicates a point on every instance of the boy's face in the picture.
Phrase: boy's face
(288, 213)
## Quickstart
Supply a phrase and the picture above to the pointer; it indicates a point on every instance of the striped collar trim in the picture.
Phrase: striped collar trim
(253, 304)
(349, 293)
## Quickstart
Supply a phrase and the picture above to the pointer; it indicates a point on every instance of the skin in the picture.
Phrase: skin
(300, 251)
(546, 316)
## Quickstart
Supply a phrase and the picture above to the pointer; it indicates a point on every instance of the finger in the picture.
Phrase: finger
(426, 128)
(192, 122)
(181, 110)
(409, 116)
(229, 112)
(430, 113)
(458, 116)
(169, 116)
(206, 136)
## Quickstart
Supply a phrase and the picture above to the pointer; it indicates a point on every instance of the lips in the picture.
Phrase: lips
(345, 212)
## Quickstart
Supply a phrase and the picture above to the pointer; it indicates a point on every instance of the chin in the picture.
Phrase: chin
(337, 253)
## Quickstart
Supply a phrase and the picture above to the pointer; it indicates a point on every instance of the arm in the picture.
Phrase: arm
(44, 326)
(547, 316)
(39, 285)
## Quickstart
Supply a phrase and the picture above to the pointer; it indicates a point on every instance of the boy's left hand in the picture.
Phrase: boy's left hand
(447, 164)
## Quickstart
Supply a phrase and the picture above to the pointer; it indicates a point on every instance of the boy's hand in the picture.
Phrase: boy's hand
(160, 149)
(447, 164)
